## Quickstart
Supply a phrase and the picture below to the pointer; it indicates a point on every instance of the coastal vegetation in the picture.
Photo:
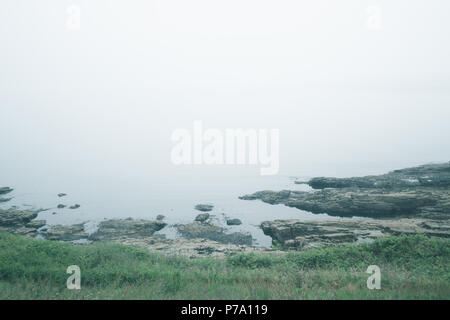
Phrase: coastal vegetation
(412, 267)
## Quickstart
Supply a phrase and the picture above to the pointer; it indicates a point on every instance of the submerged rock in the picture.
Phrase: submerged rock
(62, 195)
(199, 230)
(204, 207)
(75, 206)
(61, 206)
(119, 228)
(304, 234)
(160, 217)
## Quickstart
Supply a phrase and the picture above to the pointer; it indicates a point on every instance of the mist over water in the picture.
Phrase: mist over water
(91, 112)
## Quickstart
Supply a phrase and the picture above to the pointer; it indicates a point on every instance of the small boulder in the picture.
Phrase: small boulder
(204, 207)
(202, 217)
(234, 222)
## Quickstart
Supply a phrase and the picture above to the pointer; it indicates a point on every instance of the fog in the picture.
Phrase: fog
(103, 101)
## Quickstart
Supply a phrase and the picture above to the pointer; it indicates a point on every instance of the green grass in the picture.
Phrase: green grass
(412, 267)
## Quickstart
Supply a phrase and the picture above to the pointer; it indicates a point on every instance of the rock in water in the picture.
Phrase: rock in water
(160, 217)
(430, 175)
(234, 222)
(420, 192)
(75, 206)
(60, 206)
(204, 207)
(5, 190)
(202, 217)
(62, 195)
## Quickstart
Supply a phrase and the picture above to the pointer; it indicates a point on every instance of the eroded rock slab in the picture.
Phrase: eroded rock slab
(414, 192)
(66, 232)
(199, 230)
(117, 228)
(16, 218)
(204, 207)
(430, 175)
(303, 234)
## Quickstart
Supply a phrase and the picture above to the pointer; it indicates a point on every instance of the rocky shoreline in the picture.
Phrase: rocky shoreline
(407, 201)
(198, 238)
(412, 200)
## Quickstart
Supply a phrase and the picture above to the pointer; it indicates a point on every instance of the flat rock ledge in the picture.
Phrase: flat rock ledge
(20, 222)
(119, 228)
(205, 230)
(66, 233)
(304, 234)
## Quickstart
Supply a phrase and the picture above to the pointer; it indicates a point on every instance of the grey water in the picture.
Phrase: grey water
(90, 112)
(101, 198)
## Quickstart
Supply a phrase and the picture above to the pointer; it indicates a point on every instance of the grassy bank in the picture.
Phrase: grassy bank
(412, 267)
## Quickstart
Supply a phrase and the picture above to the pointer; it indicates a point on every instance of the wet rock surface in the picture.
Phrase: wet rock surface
(116, 228)
(304, 234)
(415, 192)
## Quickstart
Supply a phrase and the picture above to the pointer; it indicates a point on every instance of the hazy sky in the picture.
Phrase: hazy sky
(109, 95)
